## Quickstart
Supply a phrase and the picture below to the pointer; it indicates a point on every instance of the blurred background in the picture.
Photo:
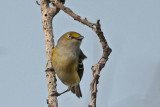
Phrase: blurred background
(131, 77)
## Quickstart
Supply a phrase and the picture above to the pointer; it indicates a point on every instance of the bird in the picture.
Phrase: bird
(67, 61)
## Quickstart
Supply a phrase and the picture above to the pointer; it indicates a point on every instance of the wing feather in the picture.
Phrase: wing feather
(80, 65)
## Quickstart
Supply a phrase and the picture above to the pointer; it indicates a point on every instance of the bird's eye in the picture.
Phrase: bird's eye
(69, 36)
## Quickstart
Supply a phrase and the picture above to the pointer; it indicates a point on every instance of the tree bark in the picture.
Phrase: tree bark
(47, 15)
(99, 66)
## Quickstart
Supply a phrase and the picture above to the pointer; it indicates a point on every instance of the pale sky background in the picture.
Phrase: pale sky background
(131, 77)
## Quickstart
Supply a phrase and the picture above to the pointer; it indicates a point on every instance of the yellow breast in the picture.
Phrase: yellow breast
(66, 68)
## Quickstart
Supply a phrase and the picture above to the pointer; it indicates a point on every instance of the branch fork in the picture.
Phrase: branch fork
(48, 13)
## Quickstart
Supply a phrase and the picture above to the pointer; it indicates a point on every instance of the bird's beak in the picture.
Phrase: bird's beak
(80, 38)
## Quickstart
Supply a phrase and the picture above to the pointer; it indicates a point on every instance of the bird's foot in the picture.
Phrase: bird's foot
(56, 94)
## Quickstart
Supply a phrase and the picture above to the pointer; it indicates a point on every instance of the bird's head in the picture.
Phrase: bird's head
(71, 39)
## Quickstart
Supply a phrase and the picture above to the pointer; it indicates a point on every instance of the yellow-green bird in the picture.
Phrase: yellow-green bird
(67, 60)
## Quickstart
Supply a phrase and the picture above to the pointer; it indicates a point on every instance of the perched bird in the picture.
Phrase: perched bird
(67, 60)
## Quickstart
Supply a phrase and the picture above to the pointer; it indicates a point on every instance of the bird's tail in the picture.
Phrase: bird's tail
(76, 90)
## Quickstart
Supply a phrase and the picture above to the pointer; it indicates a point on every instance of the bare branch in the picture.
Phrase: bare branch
(73, 15)
(47, 15)
(98, 67)
(106, 49)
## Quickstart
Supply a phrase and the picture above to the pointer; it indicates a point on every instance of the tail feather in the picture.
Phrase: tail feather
(76, 90)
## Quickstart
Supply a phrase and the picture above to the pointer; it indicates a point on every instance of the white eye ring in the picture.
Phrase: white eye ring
(69, 36)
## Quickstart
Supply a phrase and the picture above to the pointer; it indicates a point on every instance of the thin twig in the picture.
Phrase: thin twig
(106, 49)
(73, 15)
(98, 67)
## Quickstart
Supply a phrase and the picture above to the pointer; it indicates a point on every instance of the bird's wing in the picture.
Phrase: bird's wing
(80, 65)
(82, 56)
